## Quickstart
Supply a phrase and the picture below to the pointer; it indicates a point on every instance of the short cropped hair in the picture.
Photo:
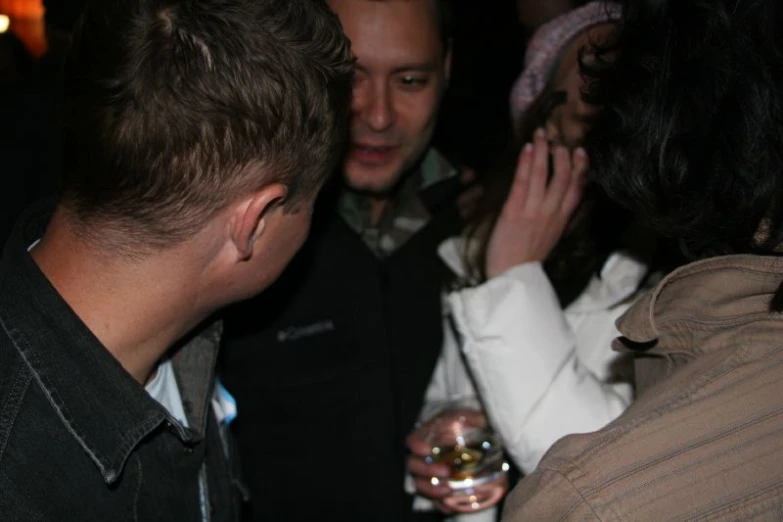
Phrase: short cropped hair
(175, 108)
(691, 135)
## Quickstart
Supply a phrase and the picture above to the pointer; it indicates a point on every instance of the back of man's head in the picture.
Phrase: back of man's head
(691, 135)
(176, 108)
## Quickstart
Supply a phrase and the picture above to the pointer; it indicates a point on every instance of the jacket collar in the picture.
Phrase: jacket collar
(700, 300)
(194, 367)
(619, 280)
(98, 402)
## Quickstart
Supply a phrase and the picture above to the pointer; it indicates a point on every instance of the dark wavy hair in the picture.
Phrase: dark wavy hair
(691, 132)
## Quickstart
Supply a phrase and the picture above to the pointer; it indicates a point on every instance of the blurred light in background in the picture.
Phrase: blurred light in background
(22, 8)
(24, 18)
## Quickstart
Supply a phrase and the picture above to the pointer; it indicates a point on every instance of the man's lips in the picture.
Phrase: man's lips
(373, 154)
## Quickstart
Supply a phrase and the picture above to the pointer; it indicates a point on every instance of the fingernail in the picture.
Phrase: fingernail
(581, 152)
(528, 148)
(540, 133)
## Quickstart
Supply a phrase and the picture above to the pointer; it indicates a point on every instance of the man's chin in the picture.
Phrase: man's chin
(373, 182)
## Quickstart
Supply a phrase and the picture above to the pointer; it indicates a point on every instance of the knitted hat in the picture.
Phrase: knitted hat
(546, 46)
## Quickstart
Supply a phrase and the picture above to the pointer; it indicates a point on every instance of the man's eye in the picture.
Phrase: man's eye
(414, 81)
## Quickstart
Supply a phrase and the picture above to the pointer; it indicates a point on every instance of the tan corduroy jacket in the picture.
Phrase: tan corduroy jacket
(704, 439)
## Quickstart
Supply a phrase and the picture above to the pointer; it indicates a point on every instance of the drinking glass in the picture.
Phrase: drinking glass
(460, 437)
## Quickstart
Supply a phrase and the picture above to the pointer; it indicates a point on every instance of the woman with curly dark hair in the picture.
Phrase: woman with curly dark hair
(690, 138)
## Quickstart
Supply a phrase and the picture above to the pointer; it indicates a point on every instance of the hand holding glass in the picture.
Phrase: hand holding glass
(458, 436)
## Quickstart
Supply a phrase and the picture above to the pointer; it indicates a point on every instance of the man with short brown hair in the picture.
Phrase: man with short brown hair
(198, 135)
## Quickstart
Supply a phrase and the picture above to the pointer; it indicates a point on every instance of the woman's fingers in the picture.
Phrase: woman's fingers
(517, 196)
(562, 177)
(573, 195)
(539, 172)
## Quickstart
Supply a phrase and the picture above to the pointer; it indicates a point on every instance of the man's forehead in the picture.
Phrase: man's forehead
(390, 32)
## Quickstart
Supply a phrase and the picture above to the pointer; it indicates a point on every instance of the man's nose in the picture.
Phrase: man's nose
(377, 107)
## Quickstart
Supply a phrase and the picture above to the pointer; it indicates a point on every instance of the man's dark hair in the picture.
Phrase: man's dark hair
(691, 135)
(175, 108)
(445, 22)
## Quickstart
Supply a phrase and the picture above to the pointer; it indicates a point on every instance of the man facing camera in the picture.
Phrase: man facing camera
(330, 368)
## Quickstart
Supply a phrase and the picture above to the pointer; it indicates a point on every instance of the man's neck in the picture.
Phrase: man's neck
(136, 308)
(377, 208)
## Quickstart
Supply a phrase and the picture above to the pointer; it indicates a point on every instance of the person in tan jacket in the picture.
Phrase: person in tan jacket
(691, 138)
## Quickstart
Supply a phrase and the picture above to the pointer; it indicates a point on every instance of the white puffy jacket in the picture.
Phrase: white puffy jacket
(541, 372)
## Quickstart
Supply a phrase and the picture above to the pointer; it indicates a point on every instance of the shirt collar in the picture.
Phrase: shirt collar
(97, 401)
(194, 367)
(407, 212)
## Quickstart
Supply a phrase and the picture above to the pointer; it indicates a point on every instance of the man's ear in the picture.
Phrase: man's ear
(251, 215)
